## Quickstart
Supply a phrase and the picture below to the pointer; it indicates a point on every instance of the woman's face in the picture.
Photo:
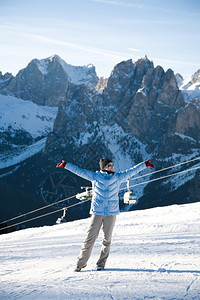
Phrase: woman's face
(109, 167)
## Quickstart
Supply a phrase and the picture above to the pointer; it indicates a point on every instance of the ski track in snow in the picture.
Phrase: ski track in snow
(154, 255)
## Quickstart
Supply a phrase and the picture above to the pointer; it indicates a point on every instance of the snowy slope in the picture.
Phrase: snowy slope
(154, 255)
(24, 116)
(22, 154)
(17, 114)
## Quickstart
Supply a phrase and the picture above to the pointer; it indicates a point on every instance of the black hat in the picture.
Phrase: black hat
(104, 162)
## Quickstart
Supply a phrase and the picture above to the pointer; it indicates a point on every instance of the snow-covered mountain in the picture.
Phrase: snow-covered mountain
(52, 111)
(75, 74)
(191, 87)
(154, 255)
(46, 81)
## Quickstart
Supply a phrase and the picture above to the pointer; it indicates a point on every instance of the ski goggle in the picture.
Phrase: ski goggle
(110, 166)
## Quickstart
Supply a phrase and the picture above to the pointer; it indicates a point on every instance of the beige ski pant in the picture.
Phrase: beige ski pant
(107, 223)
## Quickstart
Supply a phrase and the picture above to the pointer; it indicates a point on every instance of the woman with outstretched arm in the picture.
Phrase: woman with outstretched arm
(104, 205)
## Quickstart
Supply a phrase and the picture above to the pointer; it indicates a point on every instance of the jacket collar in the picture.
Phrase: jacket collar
(106, 173)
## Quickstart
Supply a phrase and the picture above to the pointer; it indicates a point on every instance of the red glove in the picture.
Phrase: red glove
(62, 164)
(148, 164)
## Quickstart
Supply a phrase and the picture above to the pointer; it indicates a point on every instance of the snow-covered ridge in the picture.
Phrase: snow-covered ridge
(154, 255)
(179, 79)
(184, 137)
(17, 114)
(21, 154)
(42, 65)
(191, 87)
(76, 74)
(24, 116)
(196, 77)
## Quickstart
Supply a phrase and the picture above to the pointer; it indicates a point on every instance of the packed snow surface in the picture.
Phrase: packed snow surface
(154, 255)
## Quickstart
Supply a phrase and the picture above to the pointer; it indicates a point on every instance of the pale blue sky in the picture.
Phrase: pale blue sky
(101, 32)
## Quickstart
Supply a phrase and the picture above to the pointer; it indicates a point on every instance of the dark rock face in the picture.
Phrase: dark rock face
(188, 120)
(5, 80)
(183, 135)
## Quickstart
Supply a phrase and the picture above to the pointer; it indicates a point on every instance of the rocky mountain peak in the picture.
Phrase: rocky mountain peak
(75, 74)
(179, 79)
(144, 62)
(126, 78)
(46, 81)
(124, 67)
(6, 76)
(142, 66)
(5, 79)
(196, 77)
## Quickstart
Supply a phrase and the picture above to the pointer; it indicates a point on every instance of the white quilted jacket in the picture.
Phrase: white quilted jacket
(105, 187)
